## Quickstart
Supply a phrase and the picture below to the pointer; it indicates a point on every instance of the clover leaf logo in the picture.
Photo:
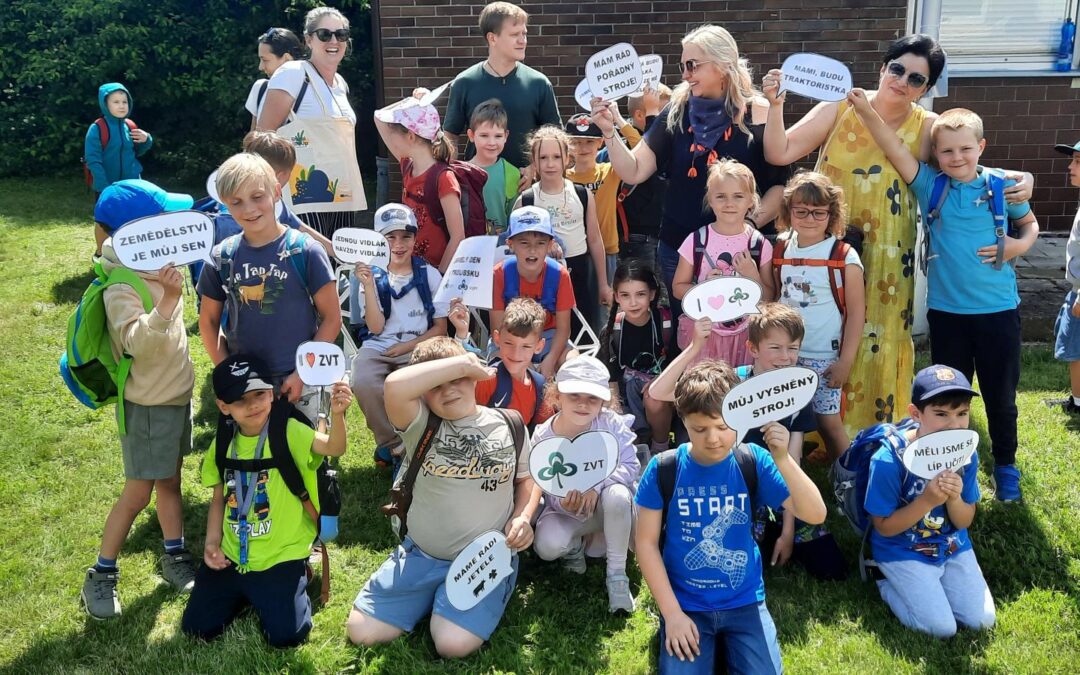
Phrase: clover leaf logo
(738, 296)
(556, 468)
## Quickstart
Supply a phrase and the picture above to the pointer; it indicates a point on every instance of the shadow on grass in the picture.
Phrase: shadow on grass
(71, 289)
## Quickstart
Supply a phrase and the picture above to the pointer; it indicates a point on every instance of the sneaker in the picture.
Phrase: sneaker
(1007, 483)
(618, 594)
(179, 570)
(1070, 406)
(574, 561)
(99, 594)
(389, 458)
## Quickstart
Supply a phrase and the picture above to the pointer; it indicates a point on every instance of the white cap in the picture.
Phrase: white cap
(584, 375)
(393, 217)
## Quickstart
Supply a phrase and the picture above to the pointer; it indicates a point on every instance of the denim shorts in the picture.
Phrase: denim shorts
(1067, 332)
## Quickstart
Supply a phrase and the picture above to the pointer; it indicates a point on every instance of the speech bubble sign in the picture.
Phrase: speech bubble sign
(560, 465)
(319, 364)
(815, 76)
(469, 275)
(723, 299)
(614, 72)
(769, 397)
(652, 69)
(355, 245)
(178, 237)
(951, 449)
(478, 570)
(583, 95)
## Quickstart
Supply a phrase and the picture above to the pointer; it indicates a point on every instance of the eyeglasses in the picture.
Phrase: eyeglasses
(803, 212)
(690, 65)
(897, 70)
(324, 34)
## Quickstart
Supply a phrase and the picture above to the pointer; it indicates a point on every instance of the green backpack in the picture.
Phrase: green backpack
(87, 365)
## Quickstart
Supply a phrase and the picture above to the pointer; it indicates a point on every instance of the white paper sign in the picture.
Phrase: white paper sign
(319, 364)
(583, 95)
(356, 245)
(769, 397)
(815, 76)
(928, 456)
(178, 237)
(470, 275)
(560, 465)
(722, 299)
(478, 570)
(652, 69)
(614, 72)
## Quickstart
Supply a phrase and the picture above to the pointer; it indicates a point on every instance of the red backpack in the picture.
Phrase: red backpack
(835, 263)
(103, 132)
(472, 180)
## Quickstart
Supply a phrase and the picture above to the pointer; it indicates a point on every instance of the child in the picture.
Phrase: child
(642, 204)
(634, 346)
(573, 217)
(821, 277)
(600, 178)
(407, 286)
(532, 274)
(157, 417)
(518, 339)
(262, 563)
(694, 540)
(471, 480)
(412, 135)
(580, 392)
(487, 133)
(128, 200)
(727, 247)
(277, 282)
(920, 539)
(1067, 326)
(113, 143)
(971, 295)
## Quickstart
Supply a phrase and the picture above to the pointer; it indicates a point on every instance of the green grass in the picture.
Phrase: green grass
(62, 471)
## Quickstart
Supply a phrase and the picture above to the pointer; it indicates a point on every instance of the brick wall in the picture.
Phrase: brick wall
(427, 42)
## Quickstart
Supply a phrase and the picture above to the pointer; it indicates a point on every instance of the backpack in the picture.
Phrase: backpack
(615, 342)
(282, 459)
(666, 478)
(528, 198)
(504, 389)
(835, 264)
(471, 178)
(995, 196)
(386, 294)
(104, 134)
(549, 295)
(701, 241)
(850, 474)
(88, 367)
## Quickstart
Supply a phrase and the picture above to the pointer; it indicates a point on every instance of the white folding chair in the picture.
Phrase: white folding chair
(479, 330)
(344, 287)
(585, 341)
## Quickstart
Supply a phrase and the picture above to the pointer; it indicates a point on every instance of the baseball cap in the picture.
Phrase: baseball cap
(393, 217)
(239, 374)
(421, 119)
(584, 375)
(934, 380)
(581, 125)
(127, 200)
(529, 219)
(1067, 149)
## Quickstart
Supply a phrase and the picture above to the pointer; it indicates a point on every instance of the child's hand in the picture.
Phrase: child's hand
(602, 116)
(784, 546)
(340, 398)
(1019, 192)
(555, 251)
(770, 86)
(745, 266)
(293, 387)
(139, 136)
(616, 115)
(681, 637)
(858, 100)
(607, 295)
(528, 177)
(547, 367)
(214, 558)
(951, 484)
(1013, 248)
(1076, 308)
(586, 504)
(400, 349)
(519, 533)
(777, 437)
(571, 502)
(714, 273)
(171, 280)
(836, 375)
(459, 317)
(420, 92)
(701, 333)
(363, 273)
(934, 494)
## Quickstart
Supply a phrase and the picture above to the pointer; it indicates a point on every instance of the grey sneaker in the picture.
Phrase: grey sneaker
(618, 594)
(574, 561)
(179, 570)
(99, 594)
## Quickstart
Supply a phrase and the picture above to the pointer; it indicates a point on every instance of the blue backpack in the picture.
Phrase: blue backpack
(549, 295)
(504, 389)
(995, 196)
(387, 295)
(850, 473)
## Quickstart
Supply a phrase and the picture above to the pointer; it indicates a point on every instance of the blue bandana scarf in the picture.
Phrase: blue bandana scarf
(709, 121)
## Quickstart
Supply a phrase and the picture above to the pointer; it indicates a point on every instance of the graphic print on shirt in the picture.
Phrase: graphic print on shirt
(471, 455)
(258, 287)
(259, 514)
(797, 290)
(711, 504)
(934, 525)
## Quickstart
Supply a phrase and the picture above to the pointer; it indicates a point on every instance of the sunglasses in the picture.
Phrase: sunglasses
(690, 65)
(324, 34)
(897, 70)
(803, 212)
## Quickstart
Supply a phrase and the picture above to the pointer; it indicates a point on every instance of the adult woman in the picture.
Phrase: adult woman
(714, 113)
(276, 46)
(881, 207)
(308, 102)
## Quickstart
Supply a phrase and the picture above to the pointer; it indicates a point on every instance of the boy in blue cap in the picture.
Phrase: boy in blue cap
(128, 200)
(1067, 326)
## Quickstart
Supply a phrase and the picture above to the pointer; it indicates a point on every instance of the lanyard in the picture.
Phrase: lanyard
(244, 494)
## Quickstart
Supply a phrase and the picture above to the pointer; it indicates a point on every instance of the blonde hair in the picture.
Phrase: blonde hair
(277, 150)
(810, 187)
(548, 132)
(242, 169)
(524, 317)
(664, 92)
(730, 168)
(773, 316)
(702, 388)
(435, 348)
(955, 119)
(719, 46)
(313, 17)
(495, 14)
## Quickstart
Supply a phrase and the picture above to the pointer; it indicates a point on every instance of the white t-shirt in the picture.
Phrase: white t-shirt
(289, 77)
(567, 217)
(253, 105)
(407, 318)
(806, 290)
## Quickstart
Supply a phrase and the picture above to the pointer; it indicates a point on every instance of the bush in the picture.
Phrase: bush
(189, 65)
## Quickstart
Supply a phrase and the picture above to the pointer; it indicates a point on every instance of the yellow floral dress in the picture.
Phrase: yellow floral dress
(882, 206)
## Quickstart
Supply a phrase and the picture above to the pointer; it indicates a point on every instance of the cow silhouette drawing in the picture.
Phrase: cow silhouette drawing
(479, 588)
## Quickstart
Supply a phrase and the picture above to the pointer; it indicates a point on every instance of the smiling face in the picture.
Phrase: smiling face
(327, 54)
(584, 150)
(957, 152)
(708, 79)
(117, 103)
(251, 412)
(489, 141)
(579, 410)
(453, 400)
(401, 245)
(811, 221)
(510, 42)
(252, 205)
(710, 438)
(268, 61)
(898, 88)
(530, 249)
(730, 200)
(776, 350)
(517, 352)
(938, 417)
(635, 298)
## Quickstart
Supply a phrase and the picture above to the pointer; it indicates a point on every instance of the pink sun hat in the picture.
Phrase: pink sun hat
(419, 118)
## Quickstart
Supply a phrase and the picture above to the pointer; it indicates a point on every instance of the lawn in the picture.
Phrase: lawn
(64, 471)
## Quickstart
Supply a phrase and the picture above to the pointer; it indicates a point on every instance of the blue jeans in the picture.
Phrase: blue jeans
(747, 634)
(668, 260)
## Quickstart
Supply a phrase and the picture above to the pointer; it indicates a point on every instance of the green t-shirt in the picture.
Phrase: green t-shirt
(525, 93)
(502, 176)
(280, 528)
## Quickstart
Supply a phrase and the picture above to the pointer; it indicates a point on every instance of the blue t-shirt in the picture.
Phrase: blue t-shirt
(709, 553)
(270, 309)
(957, 280)
(933, 539)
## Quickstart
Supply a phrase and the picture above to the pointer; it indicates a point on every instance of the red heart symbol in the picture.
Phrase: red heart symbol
(310, 359)
(716, 302)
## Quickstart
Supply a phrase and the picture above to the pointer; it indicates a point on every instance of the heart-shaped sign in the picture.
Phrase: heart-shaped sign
(931, 454)
(478, 570)
(722, 299)
(560, 465)
(320, 364)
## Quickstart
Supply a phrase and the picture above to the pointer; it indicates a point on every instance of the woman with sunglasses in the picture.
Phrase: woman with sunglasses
(276, 47)
(715, 113)
(308, 102)
(881, 209)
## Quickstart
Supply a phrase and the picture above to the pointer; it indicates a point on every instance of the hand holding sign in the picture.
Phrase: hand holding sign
(769, 397)
(931, 454)
(469, 275)
(815, 76)
(355, 245)
(319, 364)
(560, 465)
(723, 299)
(614, 72)
(478, 570)
(177, 237)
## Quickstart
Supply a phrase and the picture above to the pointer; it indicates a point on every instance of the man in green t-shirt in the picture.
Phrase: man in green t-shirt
(526, 94)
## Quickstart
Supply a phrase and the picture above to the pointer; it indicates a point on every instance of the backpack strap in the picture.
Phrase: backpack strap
(701, 240)
(407, 482)
(295, 243)
(549, 297)
(504, 388)
(127, 277)
(779, 246)
(539, 382)
(995, 185)
(382, 287)
(615, 346)
(431, 192)
(528, 197)
(666, 327)
(744, 456)
(511, 281)
(517, 428)
(583, 197)
(837, 271)
(103, 131)
(666, 477)
(420, 282)
(757, 244)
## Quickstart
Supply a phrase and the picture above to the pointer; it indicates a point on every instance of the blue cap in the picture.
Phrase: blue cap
(529, 219)
(1067, 149)
(934, 380)
(127, 200)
